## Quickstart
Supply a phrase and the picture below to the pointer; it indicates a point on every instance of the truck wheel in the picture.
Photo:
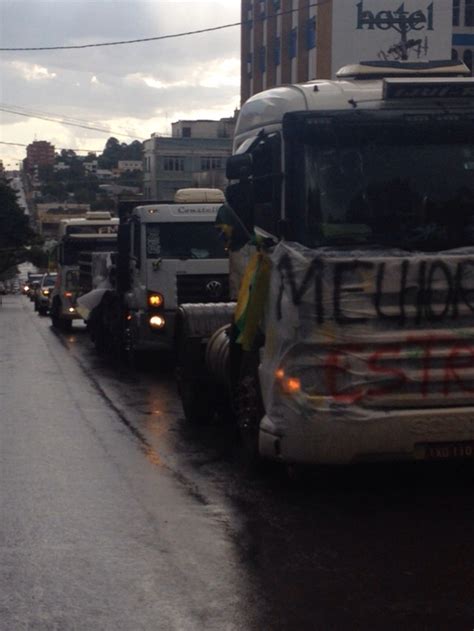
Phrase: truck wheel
(55, 322)
(249, 409)
(96, 330)
(193, 385)
(66, 325)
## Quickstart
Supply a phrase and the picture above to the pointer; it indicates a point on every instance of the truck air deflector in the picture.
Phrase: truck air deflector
(423, 89)
(456, 125)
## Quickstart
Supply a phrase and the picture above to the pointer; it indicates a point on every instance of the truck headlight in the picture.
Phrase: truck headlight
(155, 300)
(45, 292)
(157, 322)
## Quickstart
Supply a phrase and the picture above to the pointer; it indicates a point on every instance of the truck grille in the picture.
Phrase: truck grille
(202, 288)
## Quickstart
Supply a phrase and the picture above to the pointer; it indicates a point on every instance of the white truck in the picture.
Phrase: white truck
(353, 336)
(95, 232)
(168, 253)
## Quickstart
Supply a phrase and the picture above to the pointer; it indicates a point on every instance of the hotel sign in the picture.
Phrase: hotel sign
(390, 30)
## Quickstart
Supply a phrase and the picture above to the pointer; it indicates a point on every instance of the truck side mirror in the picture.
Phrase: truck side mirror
(239, 167)
(123, 269)
(240, 198)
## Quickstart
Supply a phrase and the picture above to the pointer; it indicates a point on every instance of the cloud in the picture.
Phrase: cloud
(153, 82)
(141, 88)
(32, 72)
(219, 73)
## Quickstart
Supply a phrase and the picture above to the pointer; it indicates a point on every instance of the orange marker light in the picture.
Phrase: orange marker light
(279, 373)
(155, 300)
(293, 384)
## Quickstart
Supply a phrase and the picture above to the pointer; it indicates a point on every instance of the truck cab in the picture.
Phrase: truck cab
(361, 194)
(168, 253)
(174, 256)
(95, 232)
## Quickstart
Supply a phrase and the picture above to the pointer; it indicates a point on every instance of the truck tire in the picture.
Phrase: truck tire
(96, 330)
(193, 383)
(248, 407)
(55, 322)
(65, 324)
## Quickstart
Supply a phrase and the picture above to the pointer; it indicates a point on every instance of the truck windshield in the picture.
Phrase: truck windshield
(390, 188)
(49, 281)
(191, 240)
(73, 247)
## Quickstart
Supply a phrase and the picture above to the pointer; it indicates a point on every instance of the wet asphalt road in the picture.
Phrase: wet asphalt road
(117, 515)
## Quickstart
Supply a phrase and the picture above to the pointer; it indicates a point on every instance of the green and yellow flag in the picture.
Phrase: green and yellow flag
(251, 301)
(231, 227)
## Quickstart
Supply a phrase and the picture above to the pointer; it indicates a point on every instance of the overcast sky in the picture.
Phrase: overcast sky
(136, 89)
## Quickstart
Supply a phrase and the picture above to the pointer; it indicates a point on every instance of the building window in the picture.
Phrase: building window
(456, 11)
(467, 58)
(311, 33)
(293, 43)
(262, 9)
(249, 64)
(262, 53)
(186, 132)
(276, 5)
(277, 51)
(469, 13)
(211, 164)
(171, 163)
(249, 14)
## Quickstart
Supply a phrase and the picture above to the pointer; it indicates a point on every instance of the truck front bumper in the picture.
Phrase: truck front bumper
(148, 339)
(385, 436)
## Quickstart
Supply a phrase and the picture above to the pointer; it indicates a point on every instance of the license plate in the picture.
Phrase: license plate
(446, 451)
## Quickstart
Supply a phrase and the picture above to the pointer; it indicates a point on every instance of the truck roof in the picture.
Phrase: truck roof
(66, 226)
(172, 213)
(359, 86)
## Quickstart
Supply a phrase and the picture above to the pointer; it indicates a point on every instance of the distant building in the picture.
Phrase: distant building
(115, 190)
(292, 41)
(104, 174)
(39, 153)
(49, 215)
(224, 128)
(91, 167)
(129, 165)
(463, 31)
(61, 166)
(194, 156)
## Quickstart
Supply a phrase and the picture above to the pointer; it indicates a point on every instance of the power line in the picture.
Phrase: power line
(63, 122)
(36, 112)
(162, 37)
(18, 144)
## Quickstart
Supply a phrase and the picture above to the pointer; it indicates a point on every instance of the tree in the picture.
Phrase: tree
(115, 151)
(110, 155)
(15, 231)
